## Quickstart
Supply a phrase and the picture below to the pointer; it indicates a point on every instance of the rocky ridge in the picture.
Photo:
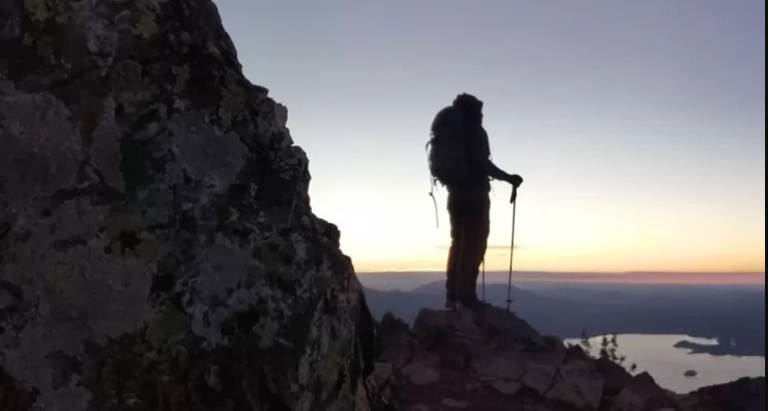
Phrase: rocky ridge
(494, 361)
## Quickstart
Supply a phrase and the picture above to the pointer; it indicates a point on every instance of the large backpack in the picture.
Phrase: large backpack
(447, 148)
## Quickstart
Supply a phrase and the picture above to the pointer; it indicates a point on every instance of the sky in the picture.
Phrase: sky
(639, 126)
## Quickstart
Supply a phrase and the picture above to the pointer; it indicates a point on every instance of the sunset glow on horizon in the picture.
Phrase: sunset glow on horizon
(639, 278)
(639, 127)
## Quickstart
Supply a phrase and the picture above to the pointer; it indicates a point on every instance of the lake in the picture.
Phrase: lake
(667, 364)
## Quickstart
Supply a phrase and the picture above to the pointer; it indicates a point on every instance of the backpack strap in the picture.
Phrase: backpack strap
(432, 188)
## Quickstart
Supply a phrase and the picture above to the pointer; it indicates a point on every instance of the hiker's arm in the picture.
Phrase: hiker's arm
(495, 172)
(483, 158)
(499, 174)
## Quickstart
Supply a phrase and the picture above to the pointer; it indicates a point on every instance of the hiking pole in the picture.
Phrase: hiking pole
(513, 201)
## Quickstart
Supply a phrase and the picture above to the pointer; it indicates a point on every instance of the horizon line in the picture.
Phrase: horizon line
(643, 277)
(442, 271)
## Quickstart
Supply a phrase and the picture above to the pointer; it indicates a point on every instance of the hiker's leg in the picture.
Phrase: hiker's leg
(480, 229)
(456, 211)
(462, 244)
(468, 270)
(452, 265)
(464, 267)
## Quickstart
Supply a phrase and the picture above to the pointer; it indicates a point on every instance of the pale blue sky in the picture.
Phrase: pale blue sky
(639, 126)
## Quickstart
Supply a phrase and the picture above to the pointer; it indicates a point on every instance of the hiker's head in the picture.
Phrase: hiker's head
(470, 107)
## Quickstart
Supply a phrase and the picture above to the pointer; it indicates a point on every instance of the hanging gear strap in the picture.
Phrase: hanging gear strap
(432, 180)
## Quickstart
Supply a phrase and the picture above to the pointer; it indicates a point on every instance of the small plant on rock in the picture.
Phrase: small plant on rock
(609, 349)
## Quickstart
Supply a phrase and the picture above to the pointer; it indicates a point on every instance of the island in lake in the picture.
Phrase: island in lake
(723, 347)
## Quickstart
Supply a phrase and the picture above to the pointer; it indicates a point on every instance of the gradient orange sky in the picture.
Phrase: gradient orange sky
(638, 126)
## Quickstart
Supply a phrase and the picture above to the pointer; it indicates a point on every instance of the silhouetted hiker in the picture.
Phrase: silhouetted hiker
(460, 159)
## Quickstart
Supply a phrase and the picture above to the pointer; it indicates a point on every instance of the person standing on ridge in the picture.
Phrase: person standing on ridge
(460, 159)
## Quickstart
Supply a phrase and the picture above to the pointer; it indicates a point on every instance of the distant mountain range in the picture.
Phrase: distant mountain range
(408, 281)
(729, 314)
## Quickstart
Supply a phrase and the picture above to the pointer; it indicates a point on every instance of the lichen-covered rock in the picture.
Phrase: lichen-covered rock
(157, 245)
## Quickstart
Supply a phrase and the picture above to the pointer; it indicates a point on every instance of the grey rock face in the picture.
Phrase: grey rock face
(157, 245)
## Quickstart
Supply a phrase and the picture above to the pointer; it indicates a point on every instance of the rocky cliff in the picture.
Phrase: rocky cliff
(494, 361)
(157, 246)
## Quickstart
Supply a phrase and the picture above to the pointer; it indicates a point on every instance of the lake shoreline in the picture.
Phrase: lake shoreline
(659, 355)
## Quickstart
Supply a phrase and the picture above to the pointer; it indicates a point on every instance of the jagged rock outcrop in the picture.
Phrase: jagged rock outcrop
(746, 394)
(157, 246)
(494, 361)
